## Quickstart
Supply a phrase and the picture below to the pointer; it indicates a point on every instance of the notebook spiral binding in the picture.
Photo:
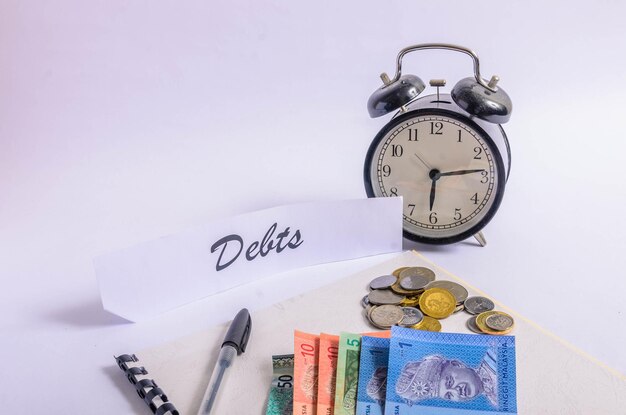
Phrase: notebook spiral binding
(147, 389)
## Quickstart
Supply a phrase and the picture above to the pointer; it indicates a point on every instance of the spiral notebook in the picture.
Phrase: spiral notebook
(553, 377)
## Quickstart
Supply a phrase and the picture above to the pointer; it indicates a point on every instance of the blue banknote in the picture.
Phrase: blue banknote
(450, 374)
(372, 376)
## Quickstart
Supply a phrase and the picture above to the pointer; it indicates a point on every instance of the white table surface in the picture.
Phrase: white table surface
(124, 121)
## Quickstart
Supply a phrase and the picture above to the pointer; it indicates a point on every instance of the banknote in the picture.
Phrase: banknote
(329, 349)
(347, 373)
(448, 373)
(347, 378)
(372, 376)
(306, 355)
(280, 401)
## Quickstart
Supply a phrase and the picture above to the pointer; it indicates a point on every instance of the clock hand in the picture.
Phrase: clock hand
(434, 176)
(432, 194)
(459, 172)
(423, 162)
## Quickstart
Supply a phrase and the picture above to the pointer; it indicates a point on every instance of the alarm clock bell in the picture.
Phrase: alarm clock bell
(394, 95)
(488, 103)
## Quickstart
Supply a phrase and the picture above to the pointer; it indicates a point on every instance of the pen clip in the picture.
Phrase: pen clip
(239, 331)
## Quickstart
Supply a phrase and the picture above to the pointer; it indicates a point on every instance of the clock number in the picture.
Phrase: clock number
(485, 179)
(386, 170)
(412, 134)
(436, 127)
(457, 214)
(412, 207)
(432, 218)
(396, 150)
(394, 191)
(478, 152)
(459, 137)
(474, 198)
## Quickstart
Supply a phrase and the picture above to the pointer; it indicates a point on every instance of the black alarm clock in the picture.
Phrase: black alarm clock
(447, 155)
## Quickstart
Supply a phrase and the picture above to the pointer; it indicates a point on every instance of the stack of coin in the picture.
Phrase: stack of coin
(412, 297)
(491, 322)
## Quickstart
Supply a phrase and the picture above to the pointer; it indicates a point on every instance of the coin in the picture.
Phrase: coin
(459, 307)
(418, 271)
(365, 301)
(382, 282)
(499, 321)
(480, 322)
(414, 282)
(471, 324)
(396, 288)
(458, 291)
(380, 297)
(428, 324)
(385, 316)
(477, 305)
(410, 301)
(397, 272)
(437, 303)
(412, 316)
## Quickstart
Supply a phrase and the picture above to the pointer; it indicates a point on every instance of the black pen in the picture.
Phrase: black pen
(234, 344)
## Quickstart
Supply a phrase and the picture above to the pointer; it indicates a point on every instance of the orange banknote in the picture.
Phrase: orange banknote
(306, 355)
(329, 347)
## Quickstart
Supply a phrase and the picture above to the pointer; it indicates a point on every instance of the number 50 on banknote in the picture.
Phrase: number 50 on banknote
(450, 374)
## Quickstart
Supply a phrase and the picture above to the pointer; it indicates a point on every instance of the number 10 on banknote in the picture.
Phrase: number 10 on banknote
(450, 374)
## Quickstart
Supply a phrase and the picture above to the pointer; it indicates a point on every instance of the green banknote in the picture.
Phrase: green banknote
(280, 401)
(347, 374)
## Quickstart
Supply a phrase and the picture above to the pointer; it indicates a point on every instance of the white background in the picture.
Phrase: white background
(121, 121)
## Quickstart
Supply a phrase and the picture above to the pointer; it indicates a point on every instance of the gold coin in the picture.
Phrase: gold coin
(480, 322)
(437, 302)
(410, 301)
(398, 271)
(428, 324)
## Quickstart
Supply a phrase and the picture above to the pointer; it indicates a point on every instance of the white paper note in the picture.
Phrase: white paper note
(142, 281)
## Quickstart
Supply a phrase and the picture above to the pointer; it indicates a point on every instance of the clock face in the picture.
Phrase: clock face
(446, 168)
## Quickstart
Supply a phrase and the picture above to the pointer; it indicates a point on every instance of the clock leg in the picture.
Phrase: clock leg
(480, 238)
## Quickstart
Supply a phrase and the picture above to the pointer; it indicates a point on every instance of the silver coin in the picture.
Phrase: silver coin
(414, 282)
(499, 322)
(477, 305)
(471, 324)
(385, 316)
(380, 297)
(418, 271)
(365, 301)
(412, 316)
(382, 282)
(457, 290)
